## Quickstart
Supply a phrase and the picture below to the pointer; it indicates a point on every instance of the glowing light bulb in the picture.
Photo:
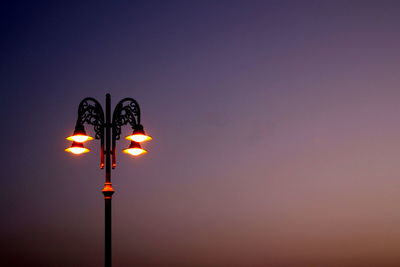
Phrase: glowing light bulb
(134, 149)
(79, 135)
(77, 148)
(138, 137)
(80, 138)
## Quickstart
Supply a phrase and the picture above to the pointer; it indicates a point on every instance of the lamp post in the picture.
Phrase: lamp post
(108, 131)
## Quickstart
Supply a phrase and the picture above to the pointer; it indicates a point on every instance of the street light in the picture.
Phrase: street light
(134, 149)
(77, 148)
(108, 131)
(138, 135)
(79, 135)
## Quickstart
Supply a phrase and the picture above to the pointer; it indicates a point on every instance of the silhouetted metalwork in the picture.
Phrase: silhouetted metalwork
(108, 131)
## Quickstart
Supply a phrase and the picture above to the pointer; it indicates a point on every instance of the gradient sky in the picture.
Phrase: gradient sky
(276, 133)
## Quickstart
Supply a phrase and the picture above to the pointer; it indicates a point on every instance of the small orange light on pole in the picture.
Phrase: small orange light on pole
(134, 149)
(138, 135)
(77, 148)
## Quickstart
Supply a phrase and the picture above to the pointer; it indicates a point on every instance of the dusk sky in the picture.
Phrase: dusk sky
(275, 124)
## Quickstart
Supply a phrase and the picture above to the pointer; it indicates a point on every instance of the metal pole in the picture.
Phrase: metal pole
(107, 190)
(107, 221)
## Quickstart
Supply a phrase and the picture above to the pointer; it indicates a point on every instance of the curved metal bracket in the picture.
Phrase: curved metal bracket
(126, 111)
(91, 112)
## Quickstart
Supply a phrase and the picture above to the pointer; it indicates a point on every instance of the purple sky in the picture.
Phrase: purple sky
(276, 133)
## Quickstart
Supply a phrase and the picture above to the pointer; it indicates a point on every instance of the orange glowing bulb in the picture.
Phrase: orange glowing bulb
(77, 148)
(134, 149)
(138, 137)
(80, 138)
(79, 135)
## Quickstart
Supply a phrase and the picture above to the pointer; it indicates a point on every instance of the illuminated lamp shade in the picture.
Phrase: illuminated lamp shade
(134, 149)
(79, 135)
(138, 135)
(77, 148)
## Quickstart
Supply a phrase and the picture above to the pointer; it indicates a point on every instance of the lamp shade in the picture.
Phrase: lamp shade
(77, 148)
(134, 149)
(138, 135)
(79, 135)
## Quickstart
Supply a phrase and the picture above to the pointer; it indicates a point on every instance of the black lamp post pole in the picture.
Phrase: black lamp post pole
(108, 130)
(107, 190)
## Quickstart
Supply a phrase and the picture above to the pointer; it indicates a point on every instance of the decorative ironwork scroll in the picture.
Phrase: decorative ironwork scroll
(126, 111)
(91, 112)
